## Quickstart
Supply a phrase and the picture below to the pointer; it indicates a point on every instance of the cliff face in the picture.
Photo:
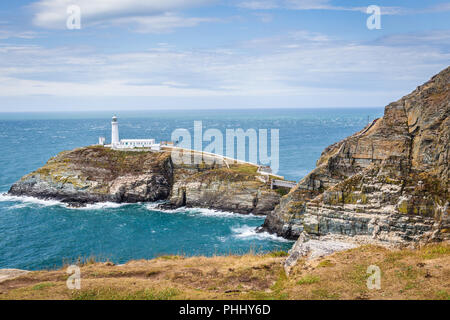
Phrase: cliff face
(98, 174)
(235, 189)
(388, 182)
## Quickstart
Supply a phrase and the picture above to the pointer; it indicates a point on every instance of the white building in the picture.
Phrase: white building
(137, 143)
(127, 143)
(102, 141)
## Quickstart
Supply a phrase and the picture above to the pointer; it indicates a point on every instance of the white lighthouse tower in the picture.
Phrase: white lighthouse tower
(128, 144)
(115, 133)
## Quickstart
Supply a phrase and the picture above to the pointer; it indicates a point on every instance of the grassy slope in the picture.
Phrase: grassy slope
(406, 274)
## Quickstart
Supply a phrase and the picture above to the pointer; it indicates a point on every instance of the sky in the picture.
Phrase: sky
(189, 54)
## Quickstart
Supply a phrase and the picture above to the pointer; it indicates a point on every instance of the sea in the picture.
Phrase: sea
(45, 234)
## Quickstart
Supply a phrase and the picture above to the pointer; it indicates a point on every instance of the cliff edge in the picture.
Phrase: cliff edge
(388, 182)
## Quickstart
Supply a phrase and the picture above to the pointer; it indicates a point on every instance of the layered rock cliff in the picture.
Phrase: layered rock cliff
(388, 182)
(235, 189)
(98, 174)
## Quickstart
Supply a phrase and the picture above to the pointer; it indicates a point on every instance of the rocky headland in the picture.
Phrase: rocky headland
(388, 183)
(99, 174)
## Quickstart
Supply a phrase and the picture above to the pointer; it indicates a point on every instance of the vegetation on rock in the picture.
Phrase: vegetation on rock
(388, 182)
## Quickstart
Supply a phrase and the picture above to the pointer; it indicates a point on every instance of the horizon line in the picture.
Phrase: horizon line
(189, 109)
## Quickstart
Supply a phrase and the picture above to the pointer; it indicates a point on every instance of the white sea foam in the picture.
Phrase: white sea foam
(100, 206)
(200, 211)
(20, 206)
(154, 206)
(248, 232)
(222, 239)
(218, 213)
(25, 200)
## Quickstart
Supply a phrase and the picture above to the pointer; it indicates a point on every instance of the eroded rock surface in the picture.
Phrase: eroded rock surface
(315, 248)
(9, 274)
(98, 174)
(233, 188)
(388, 182)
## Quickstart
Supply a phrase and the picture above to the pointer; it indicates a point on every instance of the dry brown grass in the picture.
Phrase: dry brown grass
(406, 274)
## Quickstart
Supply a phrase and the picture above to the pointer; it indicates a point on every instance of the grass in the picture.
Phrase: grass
(43, 285)
(244, 168)
(322, 293)
(443, 295)
(325, 264)
(114, 294)
(435, 251)
(405, 274)
(170, 257)
(282, 191)
(358, 275)
(108, 164)
(280, 253)
(308, 279)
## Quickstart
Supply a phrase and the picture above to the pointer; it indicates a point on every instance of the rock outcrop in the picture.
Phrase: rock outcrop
(237, 188)
(10, 274)
(314, 248)
(99, 174)
(388, 182)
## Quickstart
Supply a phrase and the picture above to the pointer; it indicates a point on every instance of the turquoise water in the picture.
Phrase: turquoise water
(37, 234)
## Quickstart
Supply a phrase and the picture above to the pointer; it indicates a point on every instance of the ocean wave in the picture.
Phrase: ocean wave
(249, 232)
(100, 206)
(26, 200)
(200, 211)
(218, 213)
(154, 206)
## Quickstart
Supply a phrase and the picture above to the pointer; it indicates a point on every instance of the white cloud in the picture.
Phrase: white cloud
(259, 4)
(307, 4)
(147, 14)
(8, 34)
(437, 38)
(328, 5)
(161, 23)
(307, 67)
(289, 4)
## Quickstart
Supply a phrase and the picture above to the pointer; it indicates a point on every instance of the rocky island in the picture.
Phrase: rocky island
(98, 174)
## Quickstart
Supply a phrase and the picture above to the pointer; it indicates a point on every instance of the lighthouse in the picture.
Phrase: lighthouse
(115, 132)
(128, 144)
